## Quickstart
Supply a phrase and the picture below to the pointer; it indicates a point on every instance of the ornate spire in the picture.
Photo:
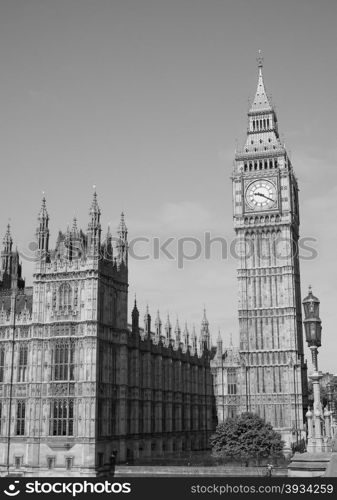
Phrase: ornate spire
(74, 228)
(135, 318)
(147, 321)
(261, 101)
(94, 227)
(219, 344)
(205, 338)
(122, 243)
(194, 340)
(43, 216)
(177, 330)
(94, 209)
(186, 336)
(158, 325)
(177, 333)
(107, 246)
(6, 254)
(204, 322)
(8, 241)
(262, 135)
(122, 229)
(168, 327)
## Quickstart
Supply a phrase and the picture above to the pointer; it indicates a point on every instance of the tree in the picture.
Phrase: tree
(244, 438)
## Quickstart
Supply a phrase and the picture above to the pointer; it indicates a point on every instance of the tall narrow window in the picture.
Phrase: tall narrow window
(140, 418)
(112, 416)
(20, 418)
(2, 363)
(153, 417)
(100, 418)
(62, 417)
(63, 361)
(231, 381)
(65, 296)
(23, 355)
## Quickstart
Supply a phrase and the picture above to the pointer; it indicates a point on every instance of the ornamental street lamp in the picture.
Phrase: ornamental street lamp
(313, 334)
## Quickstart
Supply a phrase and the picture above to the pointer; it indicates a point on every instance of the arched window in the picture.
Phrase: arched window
(65, 296)
(20, 418)
(231, 381)
(2, 363)
(62, 417)
(23, 357)
(63, 363)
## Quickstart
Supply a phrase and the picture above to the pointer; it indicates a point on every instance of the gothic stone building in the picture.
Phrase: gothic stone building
(225, 371)
(272, 372)
(76, 383)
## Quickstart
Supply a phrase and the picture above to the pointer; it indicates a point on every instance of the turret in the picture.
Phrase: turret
(186, 336)
(204, 334)
(135, 319)
(6, 254)
(76, 242)
(168, 327)
(147, 322)
(94, 228)
(42, 233)
(157, 326)
(194, 341)
(219, 345)
(11, 269)
(107, 246)
(122, 243)
(177, 332)
(68, 244)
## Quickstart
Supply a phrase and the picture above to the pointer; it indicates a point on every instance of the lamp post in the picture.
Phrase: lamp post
(313, 333)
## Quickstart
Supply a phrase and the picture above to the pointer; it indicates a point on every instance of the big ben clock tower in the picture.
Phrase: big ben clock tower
(266, 222)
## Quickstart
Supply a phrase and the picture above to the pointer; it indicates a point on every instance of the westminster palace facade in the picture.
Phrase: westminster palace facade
(77, 383)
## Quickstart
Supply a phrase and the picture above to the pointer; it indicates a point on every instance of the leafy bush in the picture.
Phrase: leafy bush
(244, 438)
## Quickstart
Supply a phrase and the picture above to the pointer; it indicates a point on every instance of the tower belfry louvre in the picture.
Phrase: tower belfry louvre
(266, 222)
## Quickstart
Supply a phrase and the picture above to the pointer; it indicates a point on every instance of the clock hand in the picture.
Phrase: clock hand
(264, 196)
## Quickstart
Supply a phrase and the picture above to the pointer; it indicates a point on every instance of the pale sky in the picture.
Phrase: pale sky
(146, 99)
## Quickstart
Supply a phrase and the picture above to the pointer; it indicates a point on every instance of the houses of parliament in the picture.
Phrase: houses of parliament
(79, 382)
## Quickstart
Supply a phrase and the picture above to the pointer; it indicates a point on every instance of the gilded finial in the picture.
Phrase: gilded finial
(260, 59)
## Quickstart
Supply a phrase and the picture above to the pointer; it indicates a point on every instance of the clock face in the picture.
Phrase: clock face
(261, 195)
